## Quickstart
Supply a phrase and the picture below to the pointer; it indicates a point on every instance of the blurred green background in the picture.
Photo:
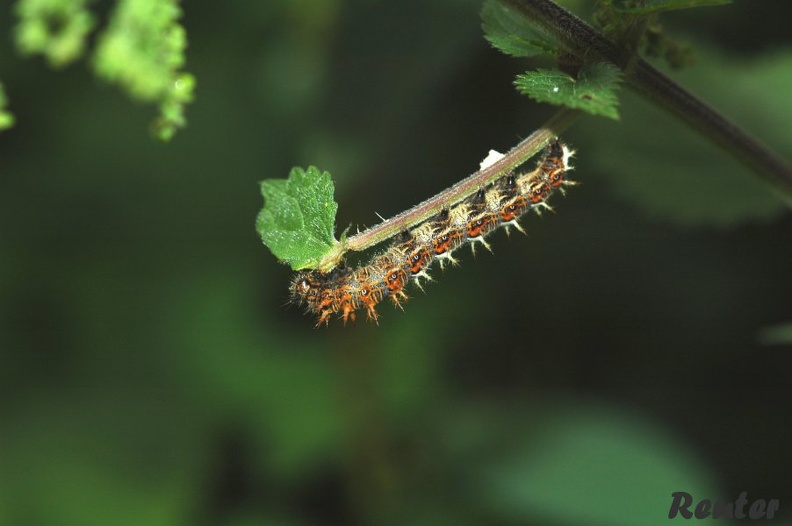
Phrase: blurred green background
(151, 375)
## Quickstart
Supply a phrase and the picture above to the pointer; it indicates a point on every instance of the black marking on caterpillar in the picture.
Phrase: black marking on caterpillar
(343, 290)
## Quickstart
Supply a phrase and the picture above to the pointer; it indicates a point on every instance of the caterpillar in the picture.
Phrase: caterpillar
(344, 290)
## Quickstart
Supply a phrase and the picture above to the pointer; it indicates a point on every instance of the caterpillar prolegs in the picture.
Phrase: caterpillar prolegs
(345, 290)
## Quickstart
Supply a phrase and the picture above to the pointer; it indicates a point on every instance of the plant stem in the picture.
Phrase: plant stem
(466, 187)
(582, 40)
(740, 144)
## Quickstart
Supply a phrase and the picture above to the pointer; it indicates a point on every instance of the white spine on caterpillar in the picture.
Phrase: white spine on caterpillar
(343, 291)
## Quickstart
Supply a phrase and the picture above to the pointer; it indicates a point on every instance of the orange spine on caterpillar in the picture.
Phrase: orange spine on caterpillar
(343, 290)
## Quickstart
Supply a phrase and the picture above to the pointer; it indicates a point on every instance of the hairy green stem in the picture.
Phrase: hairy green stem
(464, 188)
(582, 40)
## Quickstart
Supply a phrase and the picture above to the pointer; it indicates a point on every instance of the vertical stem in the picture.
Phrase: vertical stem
(664, 92)
(588, 44)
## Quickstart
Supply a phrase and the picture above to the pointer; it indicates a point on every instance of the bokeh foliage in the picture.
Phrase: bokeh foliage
(141, 49)
(6, 117)
(152, 376)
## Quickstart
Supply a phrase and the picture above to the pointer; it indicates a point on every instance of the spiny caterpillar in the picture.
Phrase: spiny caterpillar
(344, 290)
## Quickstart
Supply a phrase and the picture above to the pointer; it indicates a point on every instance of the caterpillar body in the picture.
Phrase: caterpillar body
(344, 290)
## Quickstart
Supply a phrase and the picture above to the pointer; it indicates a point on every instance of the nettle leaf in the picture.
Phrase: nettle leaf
(640, 7)
(594, 91)
(6, 117)
(298, 217)
(143, 51)
(56, 29)
(514, 34)
(777, 334)
(554, 473)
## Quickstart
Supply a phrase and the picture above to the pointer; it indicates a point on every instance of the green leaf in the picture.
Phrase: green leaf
(592, 465)
(6, 117)
(171, 117)
(298, 217)
(656, 6)
(514, 34)
(54, 28)
(594, 91)
(777, 334)
(142, 50)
